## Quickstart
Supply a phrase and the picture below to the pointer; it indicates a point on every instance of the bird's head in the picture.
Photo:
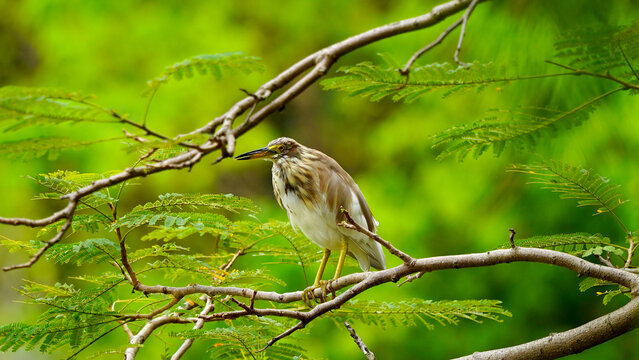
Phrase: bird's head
(276, 149)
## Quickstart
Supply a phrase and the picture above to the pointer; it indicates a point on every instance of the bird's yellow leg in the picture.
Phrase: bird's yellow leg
(320, 271)
(308, 295)
(342, 256)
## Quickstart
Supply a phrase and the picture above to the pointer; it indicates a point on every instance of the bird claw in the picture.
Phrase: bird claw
(308, 295)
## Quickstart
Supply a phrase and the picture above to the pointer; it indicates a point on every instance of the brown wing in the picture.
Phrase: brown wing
(339, 188)
(341, 191)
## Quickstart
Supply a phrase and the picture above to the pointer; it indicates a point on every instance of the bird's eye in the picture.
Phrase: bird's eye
(280, 147)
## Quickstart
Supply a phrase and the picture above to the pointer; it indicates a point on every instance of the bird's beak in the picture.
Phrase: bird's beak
(256, 154)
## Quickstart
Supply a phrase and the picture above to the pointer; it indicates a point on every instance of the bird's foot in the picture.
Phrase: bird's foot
(308, 295)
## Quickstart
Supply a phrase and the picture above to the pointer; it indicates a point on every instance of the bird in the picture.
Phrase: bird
(313, 189)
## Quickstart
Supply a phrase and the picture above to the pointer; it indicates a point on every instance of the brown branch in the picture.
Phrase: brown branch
(627, 85)
(461, 21)
(572, 341)
(358, 341)
(578, 265)
(144, 333)
(42, 250)
(511, 238)
(61, 214)
(198, 325)
(465, 18)
(406, 69)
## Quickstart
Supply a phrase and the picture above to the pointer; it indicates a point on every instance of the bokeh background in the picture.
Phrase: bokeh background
(425, 207)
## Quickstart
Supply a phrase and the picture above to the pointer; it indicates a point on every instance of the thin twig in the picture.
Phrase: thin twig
(369, 354)
(351, 224)
(465, 18)
(627, 60)
(604, 261)
(512, 238)
(406, 69)
(627, 85)
(43, 249)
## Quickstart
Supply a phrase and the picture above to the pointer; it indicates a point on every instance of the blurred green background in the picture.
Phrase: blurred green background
(425, 207)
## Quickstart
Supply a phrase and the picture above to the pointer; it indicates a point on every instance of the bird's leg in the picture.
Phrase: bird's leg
(340, 264)
(320, 271)
(308, 295)
(342, 256)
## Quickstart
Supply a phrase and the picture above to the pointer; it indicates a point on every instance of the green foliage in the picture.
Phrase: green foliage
(74, 319)
(224, 234)
(29, 149)
(602, 50)
(243, 342)
(375, 82)
(62, 182)
(215, 65)
(171, 201)
(24, 107)
(607, 292)
(575, 183)
(519, 129)
(14, 246)
(87, 251)
(578, 244)
(412, 312)
(162, 149)
(90, 223)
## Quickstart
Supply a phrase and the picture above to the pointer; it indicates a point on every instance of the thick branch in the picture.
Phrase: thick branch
(572, 341)
(578, 265)
(198, 325)
(144, 333)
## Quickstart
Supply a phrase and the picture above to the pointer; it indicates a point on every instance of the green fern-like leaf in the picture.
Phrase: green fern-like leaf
(242, 342)
(50, 147)
(374, 82)
(602, 50)
(63, 182)
(171, 201)
(578, 244)
(182, 142)
(87, 251)
(215, 65)
(419, 311)
(575, 183)
(14, 246)
(25, 107)
(518, 129)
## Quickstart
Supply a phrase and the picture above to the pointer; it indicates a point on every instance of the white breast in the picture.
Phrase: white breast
(316, 222)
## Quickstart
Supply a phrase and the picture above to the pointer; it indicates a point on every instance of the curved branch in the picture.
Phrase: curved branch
(43, 249)
(578, 265)
(572, 341)
(437, 263)
(186, 345)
